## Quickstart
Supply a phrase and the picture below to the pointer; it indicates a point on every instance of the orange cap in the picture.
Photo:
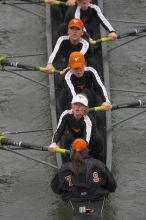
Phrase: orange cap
(76, 60)
(76, 22)
(79, 145)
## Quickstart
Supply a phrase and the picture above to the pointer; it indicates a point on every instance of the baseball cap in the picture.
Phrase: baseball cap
(76, 22)
(79, 145)
(76, 60)
(79, 98)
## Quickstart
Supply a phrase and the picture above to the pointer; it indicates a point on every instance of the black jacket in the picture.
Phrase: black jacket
(92, 13)
(95, 184)
(64, 48)
(89, 80)
(84, 128)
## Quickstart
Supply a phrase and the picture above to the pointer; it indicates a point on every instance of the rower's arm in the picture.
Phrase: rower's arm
(56, 51)
(60, 127)
(99, 86)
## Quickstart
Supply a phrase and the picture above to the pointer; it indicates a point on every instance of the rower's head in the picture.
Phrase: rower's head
(84, 4)
(79, 105)
(77, 63)
(79, 148)
(75, 30)
(79, 145)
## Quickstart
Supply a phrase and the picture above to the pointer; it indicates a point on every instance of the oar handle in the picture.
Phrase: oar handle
(9, 142)
(96, 109)
(62, 151)
(103, 39)
(127, 34)
(5, 62)
(119, 106)
(60, 3)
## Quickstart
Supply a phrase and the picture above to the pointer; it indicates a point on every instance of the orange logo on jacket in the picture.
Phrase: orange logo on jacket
(82, 86)
(95, 177)
(69, 180)
(76, 129)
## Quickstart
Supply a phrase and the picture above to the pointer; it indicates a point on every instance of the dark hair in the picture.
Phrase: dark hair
(78, 161)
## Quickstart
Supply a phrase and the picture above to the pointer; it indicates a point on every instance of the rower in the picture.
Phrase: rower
(89, 14)
(84, 182)
(66, 44)
(82, 79)
(77, 123)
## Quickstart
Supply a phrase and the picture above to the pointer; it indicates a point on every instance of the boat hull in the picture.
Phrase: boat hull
(105, 129)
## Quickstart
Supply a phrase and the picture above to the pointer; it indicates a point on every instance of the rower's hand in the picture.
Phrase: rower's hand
(70, 2)
(91, 40)
(106, 106)
(52, 147)
(113, 36)
(49, 68)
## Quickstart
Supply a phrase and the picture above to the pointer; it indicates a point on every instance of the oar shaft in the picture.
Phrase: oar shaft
(132, 33)
(45, 2)
(119, 106)
(5, 62)
(127, 34)
(129, 105)
(10, 142)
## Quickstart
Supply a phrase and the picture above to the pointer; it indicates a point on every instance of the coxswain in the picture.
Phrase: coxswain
(84, 182)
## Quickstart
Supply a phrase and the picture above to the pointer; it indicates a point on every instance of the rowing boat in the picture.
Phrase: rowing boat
(79, 210)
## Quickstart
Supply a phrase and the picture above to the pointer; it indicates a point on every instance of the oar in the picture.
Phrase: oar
(5, 62)
(26, 131)
(9, 142)
(47, 2)
(127, 34)
(39, 2)
(119, 106)
(55, 2)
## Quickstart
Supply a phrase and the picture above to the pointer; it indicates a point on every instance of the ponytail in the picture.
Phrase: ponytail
(78, 162)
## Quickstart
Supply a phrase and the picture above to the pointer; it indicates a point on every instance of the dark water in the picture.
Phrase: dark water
(128, 71)
(24, 184)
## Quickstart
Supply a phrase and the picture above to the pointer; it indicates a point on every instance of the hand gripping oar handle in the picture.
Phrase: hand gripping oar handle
(119, 106)
(96, 109)
(5, 62)
(57, 150)
(9, 142)
(127, 34)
